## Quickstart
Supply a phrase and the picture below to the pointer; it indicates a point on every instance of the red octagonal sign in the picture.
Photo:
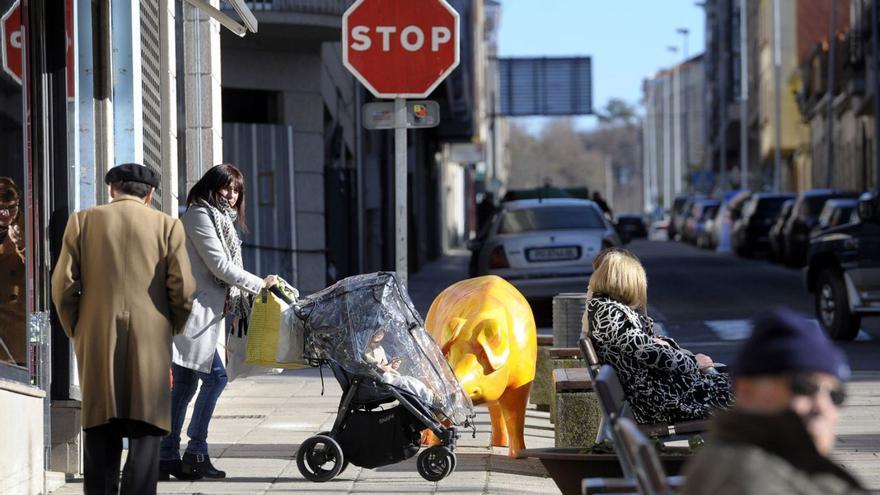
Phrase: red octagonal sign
(400, 48)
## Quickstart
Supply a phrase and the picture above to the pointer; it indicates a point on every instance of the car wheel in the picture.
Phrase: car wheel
(832, 307)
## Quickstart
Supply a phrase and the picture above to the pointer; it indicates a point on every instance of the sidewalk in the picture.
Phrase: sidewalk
(260, 422)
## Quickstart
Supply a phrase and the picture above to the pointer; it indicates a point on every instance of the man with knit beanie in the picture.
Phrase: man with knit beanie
(788, 383)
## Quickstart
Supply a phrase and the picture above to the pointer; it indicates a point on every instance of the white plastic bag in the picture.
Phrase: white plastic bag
(290, 340)
(236, 352)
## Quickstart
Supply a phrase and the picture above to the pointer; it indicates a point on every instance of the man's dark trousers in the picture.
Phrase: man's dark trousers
(103, 450)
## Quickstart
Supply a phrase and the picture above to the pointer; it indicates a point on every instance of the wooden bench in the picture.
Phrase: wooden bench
(575, 407)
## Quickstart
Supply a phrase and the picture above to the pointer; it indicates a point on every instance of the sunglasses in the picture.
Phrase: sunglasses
(806, 387)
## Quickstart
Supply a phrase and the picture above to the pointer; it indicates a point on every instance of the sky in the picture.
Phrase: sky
(628, 40)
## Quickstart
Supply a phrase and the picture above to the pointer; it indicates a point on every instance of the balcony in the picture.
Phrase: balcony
(321, 7)
(315, 20)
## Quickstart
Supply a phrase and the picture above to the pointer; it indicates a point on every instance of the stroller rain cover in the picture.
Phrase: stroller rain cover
(346, 322)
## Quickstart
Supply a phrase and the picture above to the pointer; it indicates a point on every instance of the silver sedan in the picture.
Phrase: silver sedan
(543, 247)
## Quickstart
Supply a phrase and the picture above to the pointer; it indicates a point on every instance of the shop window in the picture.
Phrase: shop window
(251, 106)
(13, 313)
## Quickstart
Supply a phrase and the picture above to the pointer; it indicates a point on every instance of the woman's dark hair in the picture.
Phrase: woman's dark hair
(8, 190)
(208, 189)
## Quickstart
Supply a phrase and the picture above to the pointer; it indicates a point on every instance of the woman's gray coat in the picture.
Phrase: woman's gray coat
(194, 348)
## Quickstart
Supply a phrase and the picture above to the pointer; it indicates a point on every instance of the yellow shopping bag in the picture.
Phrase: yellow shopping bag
(266, 318)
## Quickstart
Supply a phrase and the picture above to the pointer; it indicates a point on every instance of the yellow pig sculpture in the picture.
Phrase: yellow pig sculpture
(487, 332)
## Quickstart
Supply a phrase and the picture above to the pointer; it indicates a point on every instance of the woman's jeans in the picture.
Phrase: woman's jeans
(186, 381)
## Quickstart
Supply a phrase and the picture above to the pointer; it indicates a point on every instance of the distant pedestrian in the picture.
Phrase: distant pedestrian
(13, 322)
(603, 205)
(215, 206)
(485, 210)
(122, 288)
(788, 380)
(663, 382)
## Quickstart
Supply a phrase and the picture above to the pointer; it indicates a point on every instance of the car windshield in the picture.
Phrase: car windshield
(711, 211)
(770, 207)
(550, 218)
(815, 204)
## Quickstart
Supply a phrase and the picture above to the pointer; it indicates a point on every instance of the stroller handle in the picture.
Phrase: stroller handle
(281, 295)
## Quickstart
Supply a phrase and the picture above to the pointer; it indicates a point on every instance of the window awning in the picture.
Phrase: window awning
(248, 21)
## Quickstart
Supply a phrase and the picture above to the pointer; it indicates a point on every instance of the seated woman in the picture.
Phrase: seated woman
(663, 382)
(375, 355)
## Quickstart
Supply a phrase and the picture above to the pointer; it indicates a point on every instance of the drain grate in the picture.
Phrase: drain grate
(240, 416)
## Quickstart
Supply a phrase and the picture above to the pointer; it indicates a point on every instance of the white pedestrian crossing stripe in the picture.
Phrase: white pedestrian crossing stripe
(741, 329)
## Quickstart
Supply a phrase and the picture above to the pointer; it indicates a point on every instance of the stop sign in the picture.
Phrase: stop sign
(400, 48)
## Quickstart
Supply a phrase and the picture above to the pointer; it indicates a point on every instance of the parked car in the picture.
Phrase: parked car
(631, 226)
(544, 247)
(729, 212)
(776, 238)
(751, 233)
(707, 227)
(836, 212)
(681, 219)
(701, 211)
(843, 271)
(675, 213)
(805, 216)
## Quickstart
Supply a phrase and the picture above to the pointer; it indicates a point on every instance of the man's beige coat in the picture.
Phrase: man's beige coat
(122, 286)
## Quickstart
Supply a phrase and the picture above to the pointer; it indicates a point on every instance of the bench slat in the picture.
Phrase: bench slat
(572, 379)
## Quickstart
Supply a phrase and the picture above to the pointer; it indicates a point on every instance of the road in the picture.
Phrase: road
(705, 299)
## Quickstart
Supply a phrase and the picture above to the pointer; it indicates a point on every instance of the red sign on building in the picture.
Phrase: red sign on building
(12, 33)
(400, 48)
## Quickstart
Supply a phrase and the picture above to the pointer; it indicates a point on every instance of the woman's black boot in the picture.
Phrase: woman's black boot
(200, 464)
(175, 468)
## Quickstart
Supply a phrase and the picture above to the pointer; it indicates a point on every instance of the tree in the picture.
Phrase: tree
(617, 112)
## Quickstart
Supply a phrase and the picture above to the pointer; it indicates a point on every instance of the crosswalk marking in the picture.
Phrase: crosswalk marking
(741, 329)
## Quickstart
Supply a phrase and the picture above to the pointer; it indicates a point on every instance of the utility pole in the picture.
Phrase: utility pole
(743, 95)
(676, 126)
(684, 112)
(777, 96)
(875, 66)
(829, 124)
(723, 55)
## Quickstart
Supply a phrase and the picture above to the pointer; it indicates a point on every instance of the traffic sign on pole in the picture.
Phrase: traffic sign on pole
(401, 49)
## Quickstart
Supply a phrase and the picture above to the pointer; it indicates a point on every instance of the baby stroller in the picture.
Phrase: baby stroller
(394, 378)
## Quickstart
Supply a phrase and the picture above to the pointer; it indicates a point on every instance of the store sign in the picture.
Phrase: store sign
(12, 32)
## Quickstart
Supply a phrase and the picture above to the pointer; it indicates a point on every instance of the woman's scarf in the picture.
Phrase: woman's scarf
(224, 217)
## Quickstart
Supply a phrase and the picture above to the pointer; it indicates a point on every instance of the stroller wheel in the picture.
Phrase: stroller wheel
(436, 463)
(344, 460)
(319, 458)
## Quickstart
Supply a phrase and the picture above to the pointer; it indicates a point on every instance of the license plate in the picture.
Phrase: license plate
(553, 254)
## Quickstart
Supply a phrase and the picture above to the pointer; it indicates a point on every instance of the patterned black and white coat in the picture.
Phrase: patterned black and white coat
(662, 382)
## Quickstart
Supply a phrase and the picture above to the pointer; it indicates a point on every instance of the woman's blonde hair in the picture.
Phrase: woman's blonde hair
(621, 277)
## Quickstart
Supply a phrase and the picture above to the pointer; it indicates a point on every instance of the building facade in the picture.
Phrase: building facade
(88, 86)
(673, 133)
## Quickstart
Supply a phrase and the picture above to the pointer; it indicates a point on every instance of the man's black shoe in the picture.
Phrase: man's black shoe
(200, 464)
(175, 468)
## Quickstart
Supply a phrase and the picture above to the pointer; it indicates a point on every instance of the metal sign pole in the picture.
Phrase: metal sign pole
(400, 206)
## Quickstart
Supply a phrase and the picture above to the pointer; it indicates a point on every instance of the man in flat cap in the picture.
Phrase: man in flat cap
(788, 383)
(122, 287)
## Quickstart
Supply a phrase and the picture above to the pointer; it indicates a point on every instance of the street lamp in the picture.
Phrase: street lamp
(684, 32)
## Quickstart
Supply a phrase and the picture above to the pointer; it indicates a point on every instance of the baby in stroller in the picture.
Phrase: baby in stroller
(391, 375)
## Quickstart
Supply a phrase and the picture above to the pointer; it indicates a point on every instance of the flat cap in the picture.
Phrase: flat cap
(785, 342)
(132, 172)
